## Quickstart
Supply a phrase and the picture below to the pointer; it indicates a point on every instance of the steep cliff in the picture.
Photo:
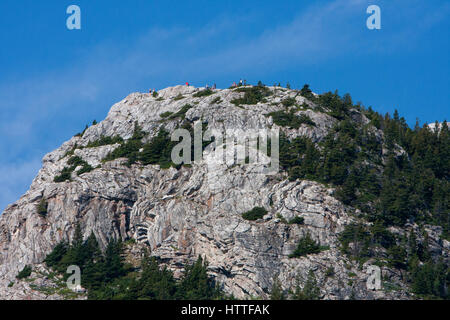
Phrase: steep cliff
(181, 213)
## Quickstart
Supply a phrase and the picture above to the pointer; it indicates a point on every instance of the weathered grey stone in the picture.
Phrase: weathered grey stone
(180, 214)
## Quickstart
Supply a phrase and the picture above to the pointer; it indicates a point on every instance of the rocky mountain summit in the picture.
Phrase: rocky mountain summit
(182, 212)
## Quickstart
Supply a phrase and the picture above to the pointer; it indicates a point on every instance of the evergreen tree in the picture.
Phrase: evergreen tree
(277, 291)
(196, 284)
(310, 290)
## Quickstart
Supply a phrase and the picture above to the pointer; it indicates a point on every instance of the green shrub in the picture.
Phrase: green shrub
(71, 152)
(74, 162)
(254, 214)
(306, 92)
(282, 219)
(297, 220)
(54, 258)
(338, 106)
(130, 148)
(252, 95)
(203, 93)
(276, 293)
(307, 246)
(158, 150)
(42, 207)
(154, 94)
(196, 284)
(299, 157)
(25, 273)
(65, 175)
(309, 291)
(288, 102)
(166, 114)
(103, 141)
(216, 100)
(431, 280)
(86, 168)
(358, 235)
(182, 112)
(329, 272)
(291, 120)
(106, 276)
(397, 257)
(178, 97)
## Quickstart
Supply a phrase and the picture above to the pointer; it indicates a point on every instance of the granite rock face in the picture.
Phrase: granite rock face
(196, 210)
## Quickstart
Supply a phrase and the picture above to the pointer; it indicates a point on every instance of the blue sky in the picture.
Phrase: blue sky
(54, 81)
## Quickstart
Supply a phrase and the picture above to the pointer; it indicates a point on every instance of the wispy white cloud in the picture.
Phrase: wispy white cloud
(14, 179)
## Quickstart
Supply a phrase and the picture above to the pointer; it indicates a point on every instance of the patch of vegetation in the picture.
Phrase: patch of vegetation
(297, 220)
(216, 100)
(25, 273)
(307, 246)
(431, 280)
(254, 214)
(42, 207)
(158, 150)
(203, 93)
(155, 94)
(76, 161)
(166, 114)
(288, 102)
(282, 219)
(252, 95)
(284, 119)
(330, 272)
(307, 93)
(80, 134)
(182, 112)
(107, 277)
(178, 97)
(65, 175)
(309, 291)
(71, 152)
(87, 127)
(130, 148)
(338, 106)
(359, 237)
(85, 169)
(103, 141)
(73, 162)
(299, 157)
(276, 293)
